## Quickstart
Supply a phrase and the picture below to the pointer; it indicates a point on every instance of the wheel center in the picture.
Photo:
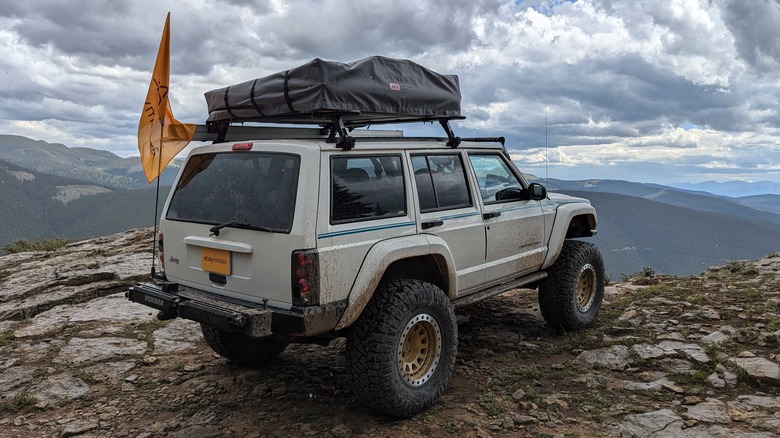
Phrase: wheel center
(586, 287)
(419, 350)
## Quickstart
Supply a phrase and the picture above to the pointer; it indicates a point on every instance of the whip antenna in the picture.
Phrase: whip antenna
(546, 157)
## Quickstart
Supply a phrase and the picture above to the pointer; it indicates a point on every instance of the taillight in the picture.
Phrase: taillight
(160, 251)
(305, 278)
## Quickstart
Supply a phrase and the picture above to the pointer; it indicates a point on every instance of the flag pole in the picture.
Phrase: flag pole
(156, 204)
(171, 140)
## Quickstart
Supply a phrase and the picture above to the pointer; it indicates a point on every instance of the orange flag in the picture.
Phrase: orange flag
(160, 135)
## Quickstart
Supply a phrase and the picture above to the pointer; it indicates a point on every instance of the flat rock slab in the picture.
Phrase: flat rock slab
(179, 335)
(79, 427)
(111, 371)
(647, 351)
(14, 377)
(716, 338)
(81, 350)
(113, 308)
(110, 309)
(665, 423)
(655, 385)
(693, 351)
(657, 424)
(760, 401)
(60, 388)
(709, 411)
(614, 358)
(76, 273)
(759, 368)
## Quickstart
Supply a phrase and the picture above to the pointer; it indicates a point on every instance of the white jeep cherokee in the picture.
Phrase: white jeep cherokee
(296, 237)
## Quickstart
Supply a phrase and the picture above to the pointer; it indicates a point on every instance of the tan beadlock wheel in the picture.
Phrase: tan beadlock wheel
(571, 295)
(586, 287)
(419, 349)
(401, 351)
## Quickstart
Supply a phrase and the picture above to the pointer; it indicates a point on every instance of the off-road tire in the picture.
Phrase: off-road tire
(401, 350)
(570, 297)
(240, 348)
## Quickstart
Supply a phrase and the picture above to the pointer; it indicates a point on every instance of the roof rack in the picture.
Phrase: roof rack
(338, 131)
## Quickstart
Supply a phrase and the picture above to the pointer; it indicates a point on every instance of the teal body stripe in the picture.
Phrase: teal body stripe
(365, 230)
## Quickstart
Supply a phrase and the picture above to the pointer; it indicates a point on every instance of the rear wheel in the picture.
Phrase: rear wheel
(240, 348)
(401, 351)
(570, 297)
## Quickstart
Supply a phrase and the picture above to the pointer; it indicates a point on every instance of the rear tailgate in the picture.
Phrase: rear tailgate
(235, 217)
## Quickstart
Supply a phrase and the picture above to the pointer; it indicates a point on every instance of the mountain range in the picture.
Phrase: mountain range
(733, 189)
(84, 164)
(50, 189)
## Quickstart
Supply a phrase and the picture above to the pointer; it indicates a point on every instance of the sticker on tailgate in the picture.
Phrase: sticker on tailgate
(215, 260)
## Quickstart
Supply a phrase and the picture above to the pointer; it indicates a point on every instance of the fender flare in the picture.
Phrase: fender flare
(563, 216)
(381, 256)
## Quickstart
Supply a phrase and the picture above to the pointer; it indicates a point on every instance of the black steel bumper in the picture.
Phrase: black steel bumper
(232, 315)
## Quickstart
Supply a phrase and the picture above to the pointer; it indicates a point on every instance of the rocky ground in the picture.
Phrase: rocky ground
(668, 357)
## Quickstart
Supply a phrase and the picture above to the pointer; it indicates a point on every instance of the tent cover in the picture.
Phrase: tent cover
(370, 91)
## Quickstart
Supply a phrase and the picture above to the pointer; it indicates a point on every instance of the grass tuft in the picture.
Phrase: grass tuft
(52, 244)
(21, 400)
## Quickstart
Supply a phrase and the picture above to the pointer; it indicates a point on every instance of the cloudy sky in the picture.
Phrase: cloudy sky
(642, 90)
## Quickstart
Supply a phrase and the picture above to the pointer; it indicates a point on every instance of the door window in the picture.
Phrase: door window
(496, 181)
(441, 182)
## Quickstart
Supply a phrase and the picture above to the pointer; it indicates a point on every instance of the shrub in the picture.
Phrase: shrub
(22, 245)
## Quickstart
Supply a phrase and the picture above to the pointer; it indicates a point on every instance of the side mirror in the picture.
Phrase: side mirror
(509, 194)
(537, 192)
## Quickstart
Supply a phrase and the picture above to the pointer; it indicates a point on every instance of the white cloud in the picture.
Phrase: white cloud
(682, 85)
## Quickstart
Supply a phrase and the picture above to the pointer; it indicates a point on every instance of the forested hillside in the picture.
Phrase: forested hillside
(35, 205)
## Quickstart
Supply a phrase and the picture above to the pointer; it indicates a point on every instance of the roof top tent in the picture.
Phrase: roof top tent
(340, 97)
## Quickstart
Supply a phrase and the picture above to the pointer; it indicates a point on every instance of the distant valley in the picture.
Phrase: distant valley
(50, 190)
(36, 205)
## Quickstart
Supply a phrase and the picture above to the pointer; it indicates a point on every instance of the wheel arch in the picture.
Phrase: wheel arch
(571, 221)
(420, 257)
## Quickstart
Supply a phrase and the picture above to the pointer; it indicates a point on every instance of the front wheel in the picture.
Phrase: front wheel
(401, 351)
(570, 297)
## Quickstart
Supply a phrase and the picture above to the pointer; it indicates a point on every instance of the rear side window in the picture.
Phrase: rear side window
(441, 182)
(253, 189)
(366, 187)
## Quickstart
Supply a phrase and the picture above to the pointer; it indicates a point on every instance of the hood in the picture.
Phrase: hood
(560, 198)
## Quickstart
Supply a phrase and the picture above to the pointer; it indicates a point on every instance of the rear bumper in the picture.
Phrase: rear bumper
(255, 320)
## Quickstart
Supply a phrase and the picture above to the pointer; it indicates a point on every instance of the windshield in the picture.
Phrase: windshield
(250, 189)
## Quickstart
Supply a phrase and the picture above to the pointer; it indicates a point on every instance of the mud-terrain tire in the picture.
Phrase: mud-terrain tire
(401, 350)
(570, 297)
(240, 348)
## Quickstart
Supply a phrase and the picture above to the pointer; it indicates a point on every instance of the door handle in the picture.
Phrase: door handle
(431, 224)
(491, 215)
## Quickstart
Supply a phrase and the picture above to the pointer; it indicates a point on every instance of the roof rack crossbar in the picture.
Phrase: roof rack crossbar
(501, 140)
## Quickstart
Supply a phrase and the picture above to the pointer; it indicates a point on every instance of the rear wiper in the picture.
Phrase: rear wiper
(238, 224)
(215, 229)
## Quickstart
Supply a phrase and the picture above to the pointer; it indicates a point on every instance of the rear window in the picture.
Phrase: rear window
(253, 189)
